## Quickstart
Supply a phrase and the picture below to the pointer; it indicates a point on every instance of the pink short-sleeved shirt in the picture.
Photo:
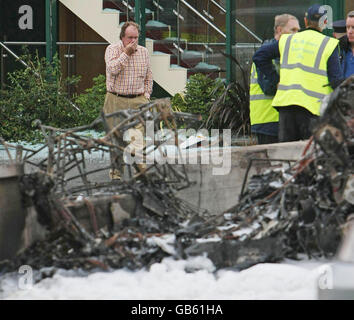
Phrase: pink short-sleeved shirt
(128, 74)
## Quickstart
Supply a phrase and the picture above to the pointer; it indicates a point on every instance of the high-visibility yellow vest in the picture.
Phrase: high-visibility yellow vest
(303, 69)
(261, 110)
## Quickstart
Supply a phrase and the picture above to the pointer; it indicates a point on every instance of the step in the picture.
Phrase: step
(107, 23)
(212, 71)
(157, 30)
(96, 18)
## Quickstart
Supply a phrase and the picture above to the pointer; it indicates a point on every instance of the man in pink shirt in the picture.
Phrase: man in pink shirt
(128, 81)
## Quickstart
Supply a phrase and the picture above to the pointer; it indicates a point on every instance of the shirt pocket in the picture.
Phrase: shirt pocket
(139, 70)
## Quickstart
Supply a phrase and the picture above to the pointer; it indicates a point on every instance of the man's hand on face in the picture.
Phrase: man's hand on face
(131, 47)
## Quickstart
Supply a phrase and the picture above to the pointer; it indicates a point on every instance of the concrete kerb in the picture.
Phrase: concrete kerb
(217, 193)
(211, 191)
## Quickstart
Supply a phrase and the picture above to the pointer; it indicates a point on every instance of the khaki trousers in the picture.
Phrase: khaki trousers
(135, 135)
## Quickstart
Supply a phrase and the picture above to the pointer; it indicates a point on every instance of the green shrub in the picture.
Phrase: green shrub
(231, 110)
(36, 92)
(198, 96)
(91, 102)
(221, 106)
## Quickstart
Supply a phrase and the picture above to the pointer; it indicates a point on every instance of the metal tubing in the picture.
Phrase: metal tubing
(230, 40)
(2, 67)
(140, 20)
(202, 17)
(239, 22)
(51, 28)
(13, 54)
(63, 43)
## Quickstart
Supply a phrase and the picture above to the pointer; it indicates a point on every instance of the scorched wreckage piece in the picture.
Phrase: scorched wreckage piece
(288, 210)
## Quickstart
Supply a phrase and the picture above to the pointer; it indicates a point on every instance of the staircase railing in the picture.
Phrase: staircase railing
(180, 16)
(237, 21)
(203, 18)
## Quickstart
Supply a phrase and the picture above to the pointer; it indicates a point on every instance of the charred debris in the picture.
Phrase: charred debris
(292, 208)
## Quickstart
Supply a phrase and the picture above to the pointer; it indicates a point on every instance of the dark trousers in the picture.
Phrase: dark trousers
(266, 138)
(295, 123)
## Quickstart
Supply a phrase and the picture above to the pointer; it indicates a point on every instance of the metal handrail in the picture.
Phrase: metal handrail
(203, 18)
(127, 5)
(58, 43)
(237, 45)
(81, 43)
(239, 22)
(14, 54)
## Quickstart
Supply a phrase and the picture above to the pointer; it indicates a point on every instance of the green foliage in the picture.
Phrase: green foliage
(222, 107)
(91, 102)
(231, 110)
(39, 92)
(36, 92)
(199, 94)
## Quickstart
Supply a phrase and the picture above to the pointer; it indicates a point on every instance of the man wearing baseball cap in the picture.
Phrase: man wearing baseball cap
(263, 117)
(309, 70)
(339, 29)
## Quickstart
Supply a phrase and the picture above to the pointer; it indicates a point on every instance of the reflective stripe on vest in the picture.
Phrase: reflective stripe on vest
(315, 69)
(303, 70)
(261, 110)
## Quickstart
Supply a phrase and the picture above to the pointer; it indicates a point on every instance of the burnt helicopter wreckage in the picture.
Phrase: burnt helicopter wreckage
(290, 209)
(65, 194)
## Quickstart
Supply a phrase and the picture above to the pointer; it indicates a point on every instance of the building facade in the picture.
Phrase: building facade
(188, 36)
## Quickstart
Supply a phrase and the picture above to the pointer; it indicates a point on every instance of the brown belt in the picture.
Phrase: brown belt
(130, 96)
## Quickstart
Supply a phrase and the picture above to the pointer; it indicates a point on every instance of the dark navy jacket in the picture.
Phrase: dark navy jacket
(346, 57)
